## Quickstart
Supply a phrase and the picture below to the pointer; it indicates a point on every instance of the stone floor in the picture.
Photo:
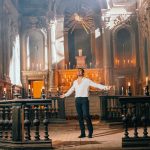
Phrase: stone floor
(105, 137)
(65, 137)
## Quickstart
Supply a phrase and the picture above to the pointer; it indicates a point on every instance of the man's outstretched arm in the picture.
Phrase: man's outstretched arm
(69, 92)
(99, 86)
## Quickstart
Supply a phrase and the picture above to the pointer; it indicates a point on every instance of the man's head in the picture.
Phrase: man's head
(80, 72)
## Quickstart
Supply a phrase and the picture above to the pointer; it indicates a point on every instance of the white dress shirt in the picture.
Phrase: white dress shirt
(82, 89)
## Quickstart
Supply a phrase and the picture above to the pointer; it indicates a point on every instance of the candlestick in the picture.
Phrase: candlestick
(122, 90)
(69, 64)
(4, 89)
(40, 67)
(90, 64)
(56, 104)
(146, 81)
(58, 93)
(52, 104)
(43, 93)
(65, 66)
(129, 89)
(4, 94)
(37, 66)
(146, 90)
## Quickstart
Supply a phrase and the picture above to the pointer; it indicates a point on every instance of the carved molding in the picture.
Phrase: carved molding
(35, 22)
(144, 18)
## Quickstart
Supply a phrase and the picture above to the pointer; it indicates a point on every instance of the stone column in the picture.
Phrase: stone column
(1, 54)
(52, 59)
(23, 59)
(66, 51)
(148, 17)
(93, 49)
(23, 51)
(4, 42)
(107, 57)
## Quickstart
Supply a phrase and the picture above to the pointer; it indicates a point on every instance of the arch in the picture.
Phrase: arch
(114, 40)
(42, 48)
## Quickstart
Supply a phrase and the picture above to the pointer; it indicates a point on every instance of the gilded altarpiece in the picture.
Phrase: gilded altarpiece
(66, 78)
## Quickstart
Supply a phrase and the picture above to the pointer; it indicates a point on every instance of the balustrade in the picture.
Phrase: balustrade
(23, 120)
(110, 109)
(136, 114)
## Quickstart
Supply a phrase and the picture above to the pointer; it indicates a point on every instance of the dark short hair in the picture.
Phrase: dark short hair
(81, 70)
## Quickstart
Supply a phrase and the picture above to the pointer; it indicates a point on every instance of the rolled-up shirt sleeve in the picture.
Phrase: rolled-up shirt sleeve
(96, 85)
(70, 91)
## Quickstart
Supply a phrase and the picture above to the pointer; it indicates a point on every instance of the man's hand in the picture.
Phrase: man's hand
(108, 87)
(62, 96)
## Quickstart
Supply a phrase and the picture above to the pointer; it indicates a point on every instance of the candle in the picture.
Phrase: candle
(29, 86)
(43, 87)
(122, 90)
(129, 84)
(40, 66)
(114, 89)
(56, 104)
(146, 80)
(66, 66)
(69, 64)
(37, 66)
(32, 65)
(80, 52)
(90, 64)
(57, 89)
(52, 104)
(124, 61)
(4, 89)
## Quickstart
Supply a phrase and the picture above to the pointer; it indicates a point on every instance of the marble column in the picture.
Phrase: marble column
(107, 58)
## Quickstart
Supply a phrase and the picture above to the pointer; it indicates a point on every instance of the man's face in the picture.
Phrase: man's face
(80, 73)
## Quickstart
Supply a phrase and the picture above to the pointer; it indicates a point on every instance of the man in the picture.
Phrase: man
(81, 87)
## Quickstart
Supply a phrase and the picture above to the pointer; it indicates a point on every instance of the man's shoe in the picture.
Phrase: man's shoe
(90, 136)
(82, 136)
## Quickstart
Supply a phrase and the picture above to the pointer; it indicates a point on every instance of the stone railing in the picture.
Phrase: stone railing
(110, 109)
(23, 120)
(136, 114)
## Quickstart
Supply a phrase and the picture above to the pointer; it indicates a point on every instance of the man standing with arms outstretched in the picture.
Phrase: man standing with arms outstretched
(81, 87)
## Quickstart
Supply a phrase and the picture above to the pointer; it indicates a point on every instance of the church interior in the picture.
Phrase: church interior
(44, 42)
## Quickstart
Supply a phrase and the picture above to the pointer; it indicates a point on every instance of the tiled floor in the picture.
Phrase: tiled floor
(65, 137)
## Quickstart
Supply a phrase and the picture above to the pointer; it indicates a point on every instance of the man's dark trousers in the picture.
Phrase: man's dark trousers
(82, 107)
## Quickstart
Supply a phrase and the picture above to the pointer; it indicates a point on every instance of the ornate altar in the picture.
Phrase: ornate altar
(80, 60)
(66, 78)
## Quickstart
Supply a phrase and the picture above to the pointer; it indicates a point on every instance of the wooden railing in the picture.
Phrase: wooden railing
(136, 113)
(22, 120)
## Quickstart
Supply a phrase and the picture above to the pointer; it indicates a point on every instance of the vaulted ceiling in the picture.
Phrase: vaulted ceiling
(44, 7)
